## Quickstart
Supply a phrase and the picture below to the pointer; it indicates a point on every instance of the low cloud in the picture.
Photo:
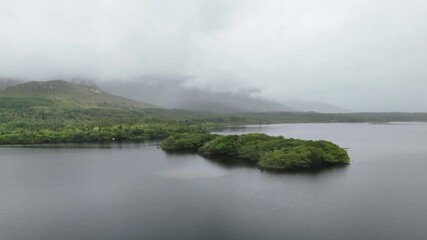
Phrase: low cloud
(358, 54)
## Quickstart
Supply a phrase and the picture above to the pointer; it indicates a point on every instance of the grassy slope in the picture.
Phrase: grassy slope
(66, 94)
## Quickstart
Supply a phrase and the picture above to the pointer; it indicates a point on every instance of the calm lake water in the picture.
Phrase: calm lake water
(136, 191)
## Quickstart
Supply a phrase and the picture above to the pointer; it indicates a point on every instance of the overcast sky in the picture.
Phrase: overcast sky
(364, 55)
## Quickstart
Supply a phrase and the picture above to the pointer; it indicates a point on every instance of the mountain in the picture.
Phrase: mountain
(169, 93)
(320, 107)
(70, 94)
(176, 95)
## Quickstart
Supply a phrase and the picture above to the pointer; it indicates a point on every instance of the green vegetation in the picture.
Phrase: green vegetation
(23, 134)
(266, 151)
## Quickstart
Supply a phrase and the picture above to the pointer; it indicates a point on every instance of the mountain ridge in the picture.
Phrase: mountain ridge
(164, 93)
(70, 94)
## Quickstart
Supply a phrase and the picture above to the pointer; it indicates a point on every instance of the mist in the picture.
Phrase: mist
(357, 54)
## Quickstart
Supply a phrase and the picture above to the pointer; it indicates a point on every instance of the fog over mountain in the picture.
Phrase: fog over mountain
(164, 92)
(175, 94)
(356, 54)
(8, 82)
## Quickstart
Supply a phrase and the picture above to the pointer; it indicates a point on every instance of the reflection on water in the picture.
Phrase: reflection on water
(136, 191)
(191, 173)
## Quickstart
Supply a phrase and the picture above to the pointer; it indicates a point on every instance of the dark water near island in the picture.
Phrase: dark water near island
(136, 191)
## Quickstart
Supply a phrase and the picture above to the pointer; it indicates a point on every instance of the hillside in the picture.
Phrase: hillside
(174, 94)
(67, 94)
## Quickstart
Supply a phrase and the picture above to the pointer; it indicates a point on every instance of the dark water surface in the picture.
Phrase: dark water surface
(136, 191)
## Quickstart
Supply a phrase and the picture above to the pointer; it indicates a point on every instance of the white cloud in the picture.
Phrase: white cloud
(335, 51)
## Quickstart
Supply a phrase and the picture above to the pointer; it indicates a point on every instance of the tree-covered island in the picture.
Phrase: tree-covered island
(266, 151)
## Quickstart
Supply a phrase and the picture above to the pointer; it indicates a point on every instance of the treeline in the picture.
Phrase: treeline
(314, 117)
(115, 133)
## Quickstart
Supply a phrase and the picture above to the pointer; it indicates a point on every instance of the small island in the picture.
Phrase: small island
(268, 152)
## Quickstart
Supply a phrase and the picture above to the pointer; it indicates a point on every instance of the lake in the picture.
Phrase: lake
(137, 191)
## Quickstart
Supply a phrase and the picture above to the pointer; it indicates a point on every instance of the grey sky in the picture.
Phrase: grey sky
(361, 55)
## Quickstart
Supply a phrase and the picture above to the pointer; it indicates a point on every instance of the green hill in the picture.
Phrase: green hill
(65, 94)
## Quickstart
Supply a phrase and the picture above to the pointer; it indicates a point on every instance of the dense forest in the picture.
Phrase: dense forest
(40, 120)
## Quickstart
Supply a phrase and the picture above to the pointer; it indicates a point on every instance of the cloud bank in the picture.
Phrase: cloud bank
(359, 54)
